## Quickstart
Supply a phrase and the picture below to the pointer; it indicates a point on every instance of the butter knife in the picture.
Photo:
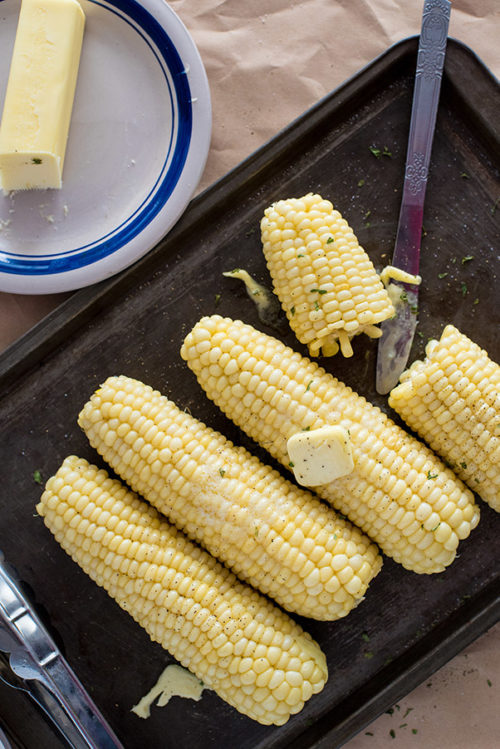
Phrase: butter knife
(398, 332)
(46, 676)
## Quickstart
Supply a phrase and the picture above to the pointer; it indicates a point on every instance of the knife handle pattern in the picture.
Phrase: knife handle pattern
(430, 63)
(433, 38)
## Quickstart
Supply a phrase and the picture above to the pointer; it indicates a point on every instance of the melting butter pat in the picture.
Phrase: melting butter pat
(40, 93)
(174, 681)
(321, 455)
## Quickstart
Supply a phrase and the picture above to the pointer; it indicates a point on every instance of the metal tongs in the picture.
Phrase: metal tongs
(43, 672)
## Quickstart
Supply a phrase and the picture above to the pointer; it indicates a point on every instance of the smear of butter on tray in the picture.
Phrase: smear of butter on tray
(174, 681)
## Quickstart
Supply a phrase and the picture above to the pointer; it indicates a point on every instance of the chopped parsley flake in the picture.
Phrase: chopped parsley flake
(330, 240)
(431, 475)
(369, 654)
(442, 275)
(403, 296)
(317, 291)
(301, 254)
(36, 160)
(414, 730)
(307, 388)
(361, 183)
(467, 258)
(463, 286)
(291, 464)
(292, 310)
(489, 683)
(222, 471)
(37, 476)
(316, 306)
(365, 637)
(464, 175)
(392, 733)
(476, 301)
(463, 465)
(217, 299)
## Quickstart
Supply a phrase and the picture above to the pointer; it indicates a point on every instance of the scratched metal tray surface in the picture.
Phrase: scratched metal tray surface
(350, 148)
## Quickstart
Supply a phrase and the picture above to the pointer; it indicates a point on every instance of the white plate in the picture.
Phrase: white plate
(138, 142)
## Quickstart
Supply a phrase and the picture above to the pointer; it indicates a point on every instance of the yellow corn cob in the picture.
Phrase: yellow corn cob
(232, 638)
(452, 400)
(325, 281)
(399, 493)
(277, 537)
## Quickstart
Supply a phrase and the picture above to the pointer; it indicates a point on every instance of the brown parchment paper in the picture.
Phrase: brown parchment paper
(268, 61)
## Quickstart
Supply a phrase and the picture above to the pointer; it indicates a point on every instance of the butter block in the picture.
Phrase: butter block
(321, 455)
(40, 93)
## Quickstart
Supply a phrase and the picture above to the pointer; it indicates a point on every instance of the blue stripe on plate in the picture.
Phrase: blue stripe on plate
(163, 187)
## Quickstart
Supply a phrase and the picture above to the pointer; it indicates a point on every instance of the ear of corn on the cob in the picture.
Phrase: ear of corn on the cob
(272, 534)
(233, 639)
(325, 281)
(399, 493)
(452, 400)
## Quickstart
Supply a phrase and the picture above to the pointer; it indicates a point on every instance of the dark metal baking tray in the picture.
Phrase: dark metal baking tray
(408, 625)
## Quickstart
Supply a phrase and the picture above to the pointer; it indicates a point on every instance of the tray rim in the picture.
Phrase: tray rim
(474, 617)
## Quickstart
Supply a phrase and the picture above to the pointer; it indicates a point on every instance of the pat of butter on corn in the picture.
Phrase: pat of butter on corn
(321, 455)
(40, 93)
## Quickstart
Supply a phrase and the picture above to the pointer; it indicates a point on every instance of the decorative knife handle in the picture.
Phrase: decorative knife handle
(430, 60)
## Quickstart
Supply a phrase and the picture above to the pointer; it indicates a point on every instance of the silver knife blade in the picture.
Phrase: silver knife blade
(398, 332)
(34, 656)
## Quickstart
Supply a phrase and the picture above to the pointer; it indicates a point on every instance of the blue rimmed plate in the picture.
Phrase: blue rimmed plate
(138, 142)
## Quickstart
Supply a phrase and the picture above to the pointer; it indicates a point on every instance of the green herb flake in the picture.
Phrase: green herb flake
(403, 296)
(494, 206)
(442, 275)
(217, 299)
(306, 429)
(431, 475)
(361, 183)
(291, 464)
(367, 214)
(36, 160)
(463, 465)
(392, 733)
(222, 472)
(37, 477)
(435, 527)
(365, 637)
(301, 254)
(403, 725)
(467, 259)
(386, 152)
(414, 730)
(317, 291)
(292, 311)
(464, 175)
(414, 309)
(476, 301)
(256, 532)
(369, 654)
(316, 306)
(390, 711)
(330, 240)
(307, 388)
(375, 151)
(489, 683)
(368, 733)
(408, 711)
(463, 286)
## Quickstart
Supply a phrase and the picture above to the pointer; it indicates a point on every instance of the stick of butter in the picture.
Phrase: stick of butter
(321, 455)
(40, 93)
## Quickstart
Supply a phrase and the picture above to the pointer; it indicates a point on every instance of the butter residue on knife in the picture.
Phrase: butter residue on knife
(174, 681)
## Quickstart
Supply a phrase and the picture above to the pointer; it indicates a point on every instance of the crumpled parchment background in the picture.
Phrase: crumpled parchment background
(267, 62)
